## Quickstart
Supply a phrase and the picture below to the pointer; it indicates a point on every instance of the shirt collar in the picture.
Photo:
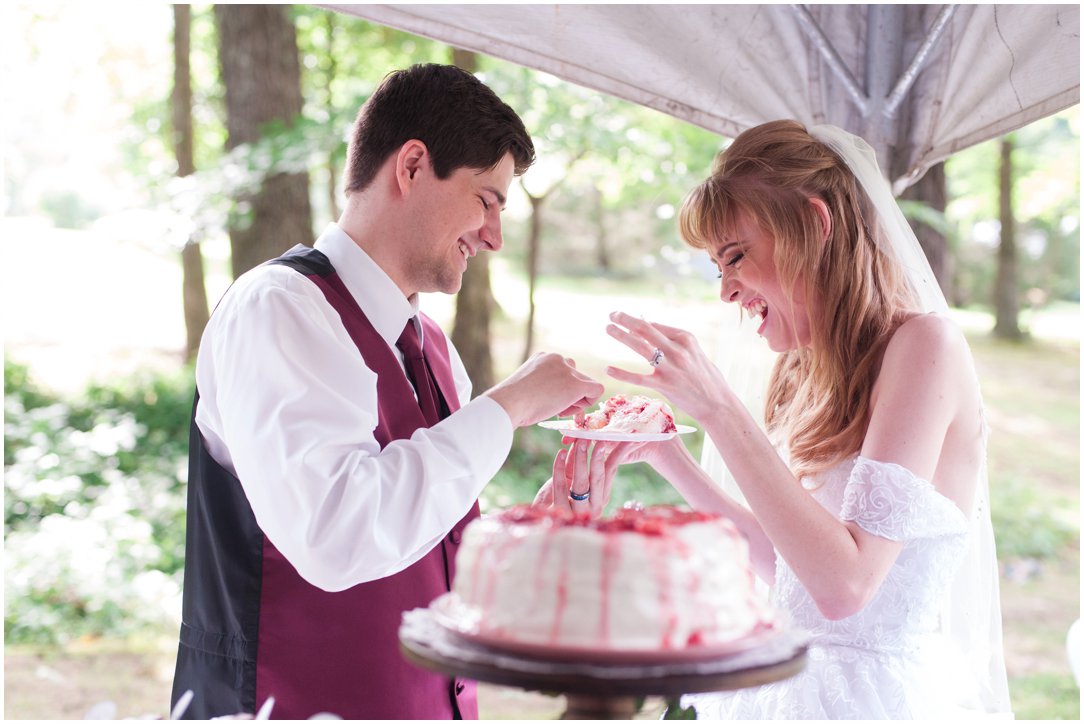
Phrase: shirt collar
(374, 291)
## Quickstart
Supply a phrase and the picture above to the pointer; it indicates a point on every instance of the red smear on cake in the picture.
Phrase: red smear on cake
(652, 520)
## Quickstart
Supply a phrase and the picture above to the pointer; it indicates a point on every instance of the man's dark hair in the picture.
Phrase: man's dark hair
(460, 120)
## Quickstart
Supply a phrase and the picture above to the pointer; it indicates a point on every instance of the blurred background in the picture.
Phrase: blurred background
(141, 175)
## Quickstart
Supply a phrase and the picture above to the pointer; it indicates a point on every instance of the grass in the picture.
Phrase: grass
(1051, 696)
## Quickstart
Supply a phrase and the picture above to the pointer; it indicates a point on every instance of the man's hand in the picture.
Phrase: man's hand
(544, 386)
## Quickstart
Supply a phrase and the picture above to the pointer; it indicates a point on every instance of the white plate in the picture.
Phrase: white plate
(568, 427)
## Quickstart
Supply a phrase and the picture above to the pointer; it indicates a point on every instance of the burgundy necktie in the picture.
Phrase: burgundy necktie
(418, 373)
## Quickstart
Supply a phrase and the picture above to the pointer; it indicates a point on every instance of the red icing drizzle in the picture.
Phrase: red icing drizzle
(611, 553)
(657, 521)
(653, 520)
(497, 555)
(695, 582)
(666, 606)
(562, 596)
(539, 570)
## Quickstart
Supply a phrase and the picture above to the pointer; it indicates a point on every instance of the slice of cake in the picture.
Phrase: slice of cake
(635, 413)
(653, 579)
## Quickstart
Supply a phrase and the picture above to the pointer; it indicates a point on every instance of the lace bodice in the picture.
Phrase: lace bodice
(888, 501)
(884, 661)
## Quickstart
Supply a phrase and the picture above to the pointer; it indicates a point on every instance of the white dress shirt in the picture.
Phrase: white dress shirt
(288, 405)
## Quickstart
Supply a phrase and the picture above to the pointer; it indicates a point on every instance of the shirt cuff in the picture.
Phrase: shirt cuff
(483, 426)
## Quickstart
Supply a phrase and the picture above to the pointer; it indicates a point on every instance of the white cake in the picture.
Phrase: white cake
(652, 579)
(634, 413)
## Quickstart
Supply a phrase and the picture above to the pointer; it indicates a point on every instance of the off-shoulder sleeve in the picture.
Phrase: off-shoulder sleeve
(890, 501)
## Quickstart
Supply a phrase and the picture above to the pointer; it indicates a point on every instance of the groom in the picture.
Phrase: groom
(336, 453)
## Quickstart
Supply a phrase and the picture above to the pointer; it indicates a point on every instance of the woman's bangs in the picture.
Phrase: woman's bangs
(708, 215)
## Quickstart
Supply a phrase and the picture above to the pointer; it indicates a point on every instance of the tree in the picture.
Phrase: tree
(559, 116)
(534, 241)
(329, 84)
(474, 304)
(194, 289)
(258, 55)
(927, 217)
(344, 59)
(1006, 299)
(602, 237)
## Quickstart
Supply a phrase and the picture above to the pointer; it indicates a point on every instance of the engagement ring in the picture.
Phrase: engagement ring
(657, 358)
(576, 496)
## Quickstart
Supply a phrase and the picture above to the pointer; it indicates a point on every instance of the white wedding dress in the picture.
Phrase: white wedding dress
(888, 661)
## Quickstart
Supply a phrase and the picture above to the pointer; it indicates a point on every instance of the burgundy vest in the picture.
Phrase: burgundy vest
(252, 628)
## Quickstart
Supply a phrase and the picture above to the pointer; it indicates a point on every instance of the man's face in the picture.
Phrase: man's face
(454, 219)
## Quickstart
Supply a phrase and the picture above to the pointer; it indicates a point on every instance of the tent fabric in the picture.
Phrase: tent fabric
(962, 74)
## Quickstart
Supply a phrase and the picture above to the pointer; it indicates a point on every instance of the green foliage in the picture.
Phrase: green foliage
(17, 382)
(93, 507)
(918, 212)
(1046, 210)
(613, 174)
(68, 209)
(1028, 523)
(674, 710)
(344, 58)
(342, 61)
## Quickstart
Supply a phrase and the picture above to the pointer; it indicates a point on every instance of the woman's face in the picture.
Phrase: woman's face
(749, 278)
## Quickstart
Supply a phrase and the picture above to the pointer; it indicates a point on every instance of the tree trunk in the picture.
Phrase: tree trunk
(474, 304)
(193, 287)
(257, 47)
(1006, 302)
(932, 191)
(533, 243)
(602, 240)
(332, 168)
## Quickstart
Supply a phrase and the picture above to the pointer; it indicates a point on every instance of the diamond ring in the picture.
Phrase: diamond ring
(657, 357)
(577, 496)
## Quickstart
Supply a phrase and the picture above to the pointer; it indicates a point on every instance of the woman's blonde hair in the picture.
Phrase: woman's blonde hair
(818, 401)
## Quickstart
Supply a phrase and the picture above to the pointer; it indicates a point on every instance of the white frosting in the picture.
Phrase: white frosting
(544, 581)
(654, 417)
(635, 413)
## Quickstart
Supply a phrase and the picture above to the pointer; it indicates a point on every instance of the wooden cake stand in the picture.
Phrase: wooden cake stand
(606, 689)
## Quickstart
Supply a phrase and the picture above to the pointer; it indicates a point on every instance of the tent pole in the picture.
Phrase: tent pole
(908, 78)
(884, 54)
(831, 57)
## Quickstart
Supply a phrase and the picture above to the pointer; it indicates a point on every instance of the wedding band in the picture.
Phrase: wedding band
(657, 358)
(575, 496)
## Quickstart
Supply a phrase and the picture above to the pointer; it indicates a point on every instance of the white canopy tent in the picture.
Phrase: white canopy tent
(919, 82)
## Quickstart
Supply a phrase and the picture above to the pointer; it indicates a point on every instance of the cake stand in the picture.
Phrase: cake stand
(603, 689)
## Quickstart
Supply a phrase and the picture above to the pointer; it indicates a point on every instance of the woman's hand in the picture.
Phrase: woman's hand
(587, 471)
(684, 373)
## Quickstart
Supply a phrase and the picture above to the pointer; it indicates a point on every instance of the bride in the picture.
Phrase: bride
(865, 502)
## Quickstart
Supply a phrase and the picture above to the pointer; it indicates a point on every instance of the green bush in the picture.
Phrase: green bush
(1026, 523)
(93, 507)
